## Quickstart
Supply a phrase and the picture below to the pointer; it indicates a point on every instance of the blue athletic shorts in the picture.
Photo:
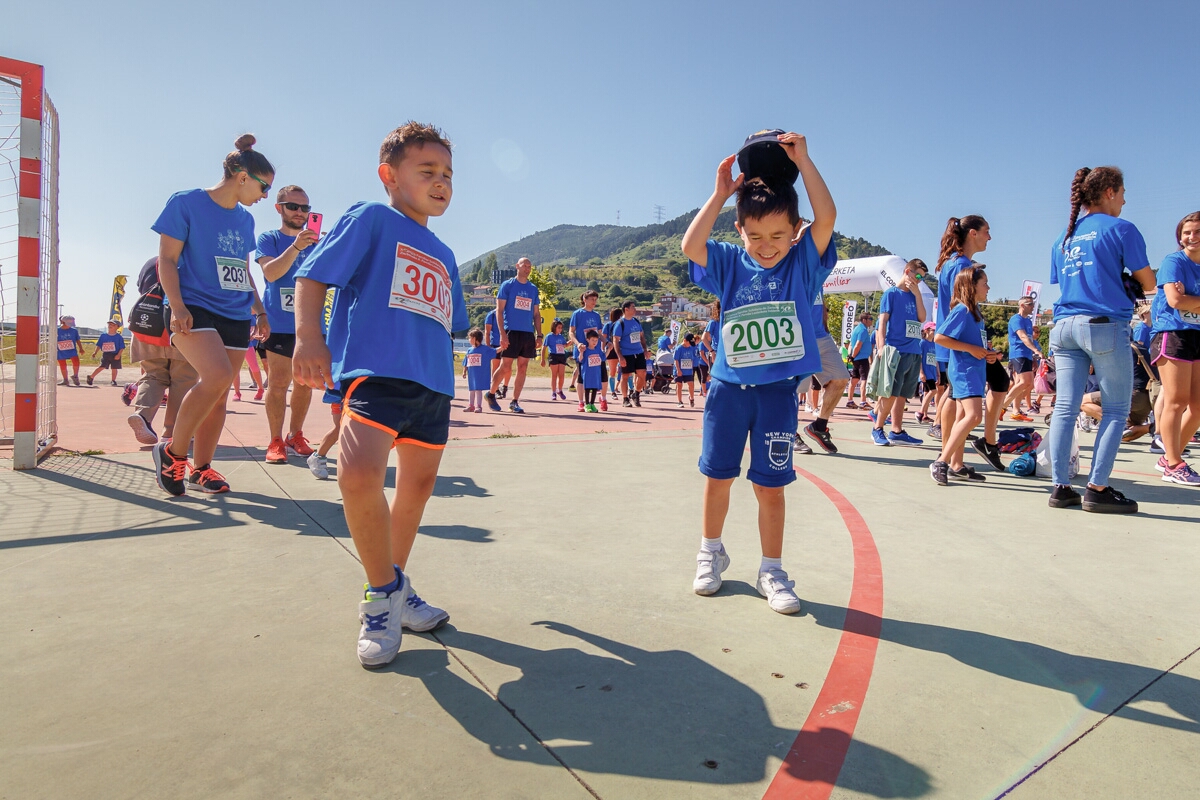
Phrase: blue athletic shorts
(412, 413)
(767, 414)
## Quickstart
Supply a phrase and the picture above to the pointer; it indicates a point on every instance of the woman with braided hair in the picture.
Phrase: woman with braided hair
(1096, 263)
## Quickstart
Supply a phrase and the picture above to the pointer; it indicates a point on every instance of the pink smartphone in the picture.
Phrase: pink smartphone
(314, 223)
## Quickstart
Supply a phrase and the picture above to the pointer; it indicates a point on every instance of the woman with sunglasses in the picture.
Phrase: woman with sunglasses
(206, 238)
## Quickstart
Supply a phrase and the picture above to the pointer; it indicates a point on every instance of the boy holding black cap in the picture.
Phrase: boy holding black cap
(768, 344)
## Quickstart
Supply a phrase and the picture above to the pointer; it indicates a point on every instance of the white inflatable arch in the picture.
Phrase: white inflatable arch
(873, 274)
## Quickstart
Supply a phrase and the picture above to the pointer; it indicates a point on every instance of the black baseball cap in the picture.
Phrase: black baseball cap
(762, 156)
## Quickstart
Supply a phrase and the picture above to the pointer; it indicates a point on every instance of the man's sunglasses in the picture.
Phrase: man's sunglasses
(296, 207)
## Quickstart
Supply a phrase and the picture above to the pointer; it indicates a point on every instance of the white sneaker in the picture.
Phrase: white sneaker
(779, 591)
(419, 616)
(319, 467)
(380, 634)
(709, 567)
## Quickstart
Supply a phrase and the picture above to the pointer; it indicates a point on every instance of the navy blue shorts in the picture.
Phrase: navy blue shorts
(410, 412)
(1021, 365)
(767, 414)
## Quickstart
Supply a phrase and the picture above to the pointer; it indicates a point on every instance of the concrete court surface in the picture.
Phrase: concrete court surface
(204, 646)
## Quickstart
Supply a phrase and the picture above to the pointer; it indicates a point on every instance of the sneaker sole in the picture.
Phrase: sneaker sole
(1065, 503)
(437, 623)
(205, 490)
(276, 460)
(900, 443)
(141, 430)
(1108, 508)
(294, 452)
(830, 448)
(1169, 479)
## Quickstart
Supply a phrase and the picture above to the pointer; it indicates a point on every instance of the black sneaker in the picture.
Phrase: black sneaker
(627, 403)
(939, 471)
(1064, 497)
(89, 380)
(822, 438)
(75, 379)
(1108, 501)
(801, 447)
(502, 393)
(990, 452)
(491, 401)
(169, 471)
(208, 480)
(965, 474)
(637, 399)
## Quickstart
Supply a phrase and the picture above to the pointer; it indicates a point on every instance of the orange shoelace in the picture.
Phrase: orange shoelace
(210, 475)
(177, 469)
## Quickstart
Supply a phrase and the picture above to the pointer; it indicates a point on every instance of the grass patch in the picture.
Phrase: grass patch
(505, 435)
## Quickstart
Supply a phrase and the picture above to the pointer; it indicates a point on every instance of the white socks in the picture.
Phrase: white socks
(770, 563)
(711, 545)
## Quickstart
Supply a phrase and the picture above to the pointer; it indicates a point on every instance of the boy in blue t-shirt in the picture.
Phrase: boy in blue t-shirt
(767, 345)
(591, 365)
(397, 283)
(68, 348)
(686, 357)
(477, 369)
(110, 346)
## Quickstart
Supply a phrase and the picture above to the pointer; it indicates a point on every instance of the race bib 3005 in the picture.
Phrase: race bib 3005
(762, 333)
(66, 345)
(232, 274)
(912, 328)
(421, 284)
(287, 300)
(108, 347)
(593, 360)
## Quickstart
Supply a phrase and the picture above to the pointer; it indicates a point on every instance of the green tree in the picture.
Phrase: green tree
(593, 285)
(489, 264)
(547, 286)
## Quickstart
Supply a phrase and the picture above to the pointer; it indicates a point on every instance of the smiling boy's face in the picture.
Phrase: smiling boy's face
(768, 238)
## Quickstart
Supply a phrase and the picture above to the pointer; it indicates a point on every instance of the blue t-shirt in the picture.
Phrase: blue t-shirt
(583, 321)
(589, 364)
(556, 344)
(929, 364)
(946, 277)
(1016, 347)
(1143, 333)
(818, 314)
(1176, 267)
(713, 329)
(767, 332)
(279, 297)
(860, 333)
(479, 367)
(1089, 275)
(606, 333)
(68, 343)
(664, 342)
(968, 374)
(685, 360)
(629, 333)
(213, 269)
(399, 298)
(903, 327)
(110, 343)
(519, 301)
(494, 331)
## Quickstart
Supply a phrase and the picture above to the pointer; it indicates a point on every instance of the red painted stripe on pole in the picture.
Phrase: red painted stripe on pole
(27, 336)
(812, 765)
(24, 412)
(30, 183)
(28, 257)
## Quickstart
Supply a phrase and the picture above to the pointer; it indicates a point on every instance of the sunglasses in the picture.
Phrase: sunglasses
(266, 187)
(296, 207)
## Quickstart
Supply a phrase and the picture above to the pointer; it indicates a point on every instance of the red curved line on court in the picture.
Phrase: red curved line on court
(815, 759)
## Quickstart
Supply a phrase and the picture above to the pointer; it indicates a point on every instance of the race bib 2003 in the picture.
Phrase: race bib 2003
(421, 284)
(762, 333)
(232, 274)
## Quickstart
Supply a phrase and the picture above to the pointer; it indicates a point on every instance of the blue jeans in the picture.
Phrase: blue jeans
(1076, 344)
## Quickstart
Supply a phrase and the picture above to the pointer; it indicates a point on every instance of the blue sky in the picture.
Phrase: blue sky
(565, 112)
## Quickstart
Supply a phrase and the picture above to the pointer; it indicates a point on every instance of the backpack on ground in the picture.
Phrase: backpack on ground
(1019, 440)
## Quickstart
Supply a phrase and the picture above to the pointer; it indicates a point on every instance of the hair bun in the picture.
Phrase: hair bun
(245, 142)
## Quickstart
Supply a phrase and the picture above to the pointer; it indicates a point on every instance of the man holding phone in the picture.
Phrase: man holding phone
(280, 254)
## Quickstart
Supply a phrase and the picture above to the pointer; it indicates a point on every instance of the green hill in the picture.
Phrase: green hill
(649, 245)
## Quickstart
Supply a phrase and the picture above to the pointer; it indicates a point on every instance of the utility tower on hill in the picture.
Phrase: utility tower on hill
(658, 213)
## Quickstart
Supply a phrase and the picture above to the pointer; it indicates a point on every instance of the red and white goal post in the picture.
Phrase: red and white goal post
(28, 262)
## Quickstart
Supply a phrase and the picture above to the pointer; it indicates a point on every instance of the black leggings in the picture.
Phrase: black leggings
(589, 396)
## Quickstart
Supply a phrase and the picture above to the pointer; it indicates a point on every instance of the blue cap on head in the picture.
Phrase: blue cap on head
(762, 156)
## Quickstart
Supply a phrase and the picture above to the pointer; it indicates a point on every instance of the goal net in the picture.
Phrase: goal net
(28, 264)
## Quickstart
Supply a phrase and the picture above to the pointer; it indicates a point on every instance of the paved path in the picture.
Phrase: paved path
(204, 646)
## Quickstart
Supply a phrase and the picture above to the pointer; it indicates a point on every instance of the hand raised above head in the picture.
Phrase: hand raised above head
(726, 183)
(795, 145)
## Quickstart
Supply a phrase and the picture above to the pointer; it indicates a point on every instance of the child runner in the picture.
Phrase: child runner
(1175, 349)
(583, 320)
(68, 348)
(963, 336)
(318, 462)
(491, 334)
(477, 368)
(397, 283)
(555, 344)
(929, 369)
(767, 349)
(610, 352)
(591, 360)
(206, 237)
(110, 344)
(686, 358)
(252, 365)
(961, 240)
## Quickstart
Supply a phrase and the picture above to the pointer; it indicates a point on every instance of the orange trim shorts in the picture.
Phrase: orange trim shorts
(411, 412)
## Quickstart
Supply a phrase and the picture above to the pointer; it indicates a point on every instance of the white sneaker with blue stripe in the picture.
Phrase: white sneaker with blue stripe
(380, 634)
(419, 616)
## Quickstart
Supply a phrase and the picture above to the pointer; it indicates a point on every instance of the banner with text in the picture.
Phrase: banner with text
(849, 312)
(1033, 289)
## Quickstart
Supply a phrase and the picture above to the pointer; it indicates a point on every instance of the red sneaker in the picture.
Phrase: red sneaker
(258, 395)
(298, 445)
(603, 403)
(277, 452)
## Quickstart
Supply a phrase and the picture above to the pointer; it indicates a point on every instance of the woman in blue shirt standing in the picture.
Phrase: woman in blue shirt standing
(1175, 350)
(206, 239)
(1091, 329)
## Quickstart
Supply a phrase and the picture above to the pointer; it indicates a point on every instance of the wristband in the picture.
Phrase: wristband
(293, 246)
